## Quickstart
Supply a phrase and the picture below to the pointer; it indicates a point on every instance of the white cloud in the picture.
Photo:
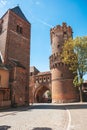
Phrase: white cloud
(37, 3)
(45, 23)
(3, 7)
(39, 20)
(3, 2)
(34, 2)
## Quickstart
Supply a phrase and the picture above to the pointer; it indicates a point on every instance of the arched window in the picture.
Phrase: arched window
(1, 21)
(0, 80)
(1, 58)
(19, 29)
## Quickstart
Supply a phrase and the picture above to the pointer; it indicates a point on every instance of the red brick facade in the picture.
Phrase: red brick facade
(40, 82)
(15, 49)
(4, 87)
(62, 78)
(15, 46)
(18, 86)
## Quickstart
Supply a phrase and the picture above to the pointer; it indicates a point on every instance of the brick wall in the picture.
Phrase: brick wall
(31, 89)
(18, 86)
(62, 79)
(3, 34)
(16, 45)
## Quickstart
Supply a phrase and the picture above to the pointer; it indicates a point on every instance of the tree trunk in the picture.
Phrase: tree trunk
(80, 92)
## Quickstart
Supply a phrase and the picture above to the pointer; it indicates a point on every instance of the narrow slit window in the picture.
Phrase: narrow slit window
(19, 29)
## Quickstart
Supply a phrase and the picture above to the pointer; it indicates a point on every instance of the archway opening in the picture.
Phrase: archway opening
(43, 95)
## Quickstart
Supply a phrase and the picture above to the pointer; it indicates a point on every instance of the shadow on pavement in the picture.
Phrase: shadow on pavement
(60, 106)
(4, 127)
(17, 109)
(76, 106)
(47, 106)
(42, 128)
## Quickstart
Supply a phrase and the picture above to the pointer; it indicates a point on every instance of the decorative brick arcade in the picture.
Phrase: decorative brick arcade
(40, 82)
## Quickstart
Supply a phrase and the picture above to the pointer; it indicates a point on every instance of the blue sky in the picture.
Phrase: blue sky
(45, 14)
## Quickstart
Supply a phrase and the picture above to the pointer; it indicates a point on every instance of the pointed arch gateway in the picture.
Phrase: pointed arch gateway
(42, 94)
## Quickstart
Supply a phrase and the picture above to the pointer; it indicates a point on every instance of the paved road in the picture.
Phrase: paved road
(36, 117)
(77, 116)
(45, 117)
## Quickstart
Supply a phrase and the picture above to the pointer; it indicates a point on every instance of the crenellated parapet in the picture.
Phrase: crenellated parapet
(56, 61)
(62, 77)
(55, 57)
(63, 32)
(58, 65)
(59, 35)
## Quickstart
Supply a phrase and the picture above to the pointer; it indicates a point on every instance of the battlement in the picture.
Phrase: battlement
(64, 31)
(63, 28)
(62, 77)
(54, 65)
(55, 57)
(56, 61)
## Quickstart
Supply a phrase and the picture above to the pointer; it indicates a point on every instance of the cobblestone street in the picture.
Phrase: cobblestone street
(36, 117)
(45, 117)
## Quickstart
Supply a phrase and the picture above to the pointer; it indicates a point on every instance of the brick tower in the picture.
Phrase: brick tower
(15, 41)
(62, 78)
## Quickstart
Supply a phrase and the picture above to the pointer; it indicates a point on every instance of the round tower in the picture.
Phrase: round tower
(62, 78)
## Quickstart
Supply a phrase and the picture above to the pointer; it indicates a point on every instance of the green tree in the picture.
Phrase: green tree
(75, 55)
(49, 94)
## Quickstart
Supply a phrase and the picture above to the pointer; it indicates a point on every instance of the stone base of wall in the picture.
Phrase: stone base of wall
(65, 101)
(5, 104)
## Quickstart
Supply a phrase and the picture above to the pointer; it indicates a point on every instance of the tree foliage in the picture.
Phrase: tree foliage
(75, 55)
(68, 55)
